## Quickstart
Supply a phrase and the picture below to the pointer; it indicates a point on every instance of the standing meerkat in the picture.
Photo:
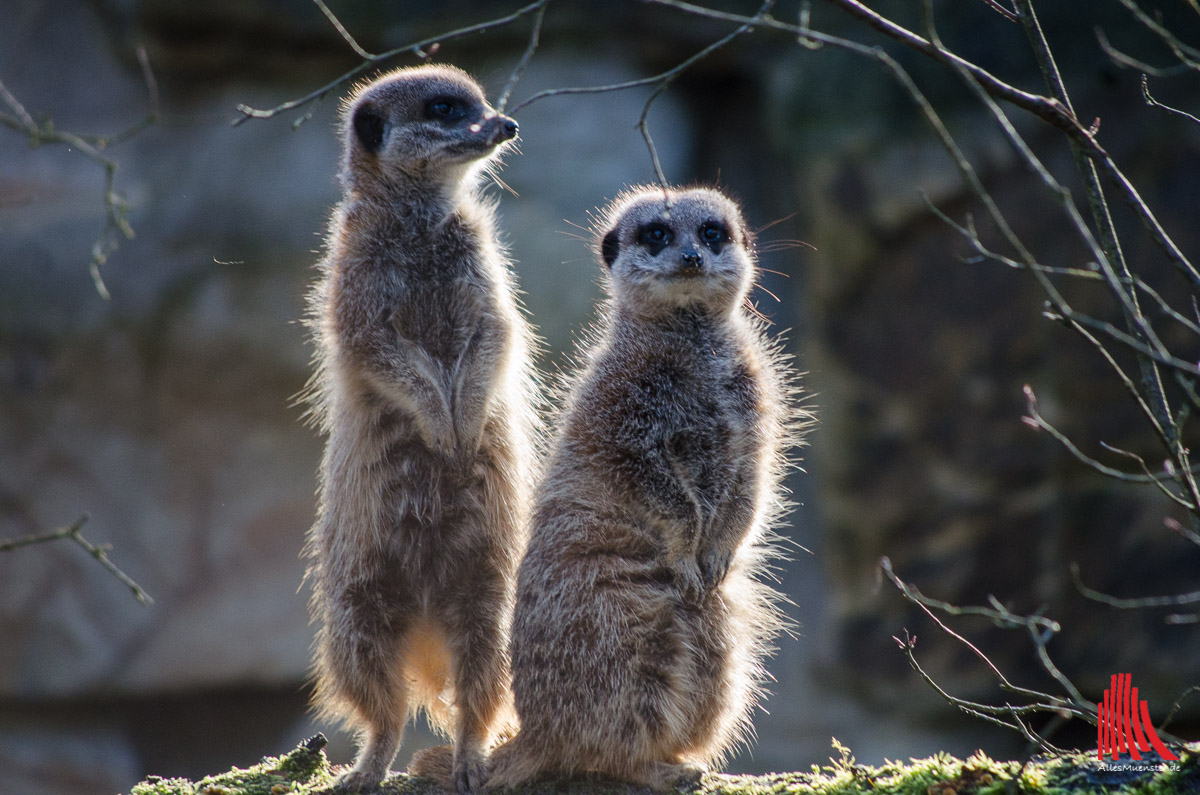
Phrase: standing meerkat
(423, 387)
(641, 626)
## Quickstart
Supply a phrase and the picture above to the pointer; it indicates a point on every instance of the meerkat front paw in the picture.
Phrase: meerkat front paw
(689, 580)
(438, 435)
(714, 565)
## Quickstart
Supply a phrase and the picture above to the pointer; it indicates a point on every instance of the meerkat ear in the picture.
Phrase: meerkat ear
(369, 126)
(610, 247)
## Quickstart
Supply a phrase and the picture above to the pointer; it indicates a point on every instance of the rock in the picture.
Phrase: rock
(306, 770)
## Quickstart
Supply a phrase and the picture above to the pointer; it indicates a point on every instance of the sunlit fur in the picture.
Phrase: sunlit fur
(642, 622)
(423, 388)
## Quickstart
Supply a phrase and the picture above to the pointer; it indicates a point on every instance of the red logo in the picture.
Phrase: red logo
(1125, 723)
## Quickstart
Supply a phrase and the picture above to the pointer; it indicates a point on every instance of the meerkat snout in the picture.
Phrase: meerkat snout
(499, 128)
(690, 261)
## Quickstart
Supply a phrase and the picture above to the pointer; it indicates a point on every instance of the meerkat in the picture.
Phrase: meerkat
(423, 388)
(641, 623)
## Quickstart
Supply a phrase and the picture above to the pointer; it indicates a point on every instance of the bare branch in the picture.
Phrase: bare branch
(116, 209)
(1007, 13)
(1184, 696)
(1035, 420)
(1187, 533)
(663, 79)
(1188, 56)
(987, 712)
(660, 81)
(417, 48)
(911, 595)
(1009, 715)
(72, 531)
(1135, 603)
(341, 29)
(1127, 62)
(1154, 103)
(1050, 110)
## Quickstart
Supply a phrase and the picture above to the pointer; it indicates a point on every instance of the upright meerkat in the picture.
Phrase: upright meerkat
(641, 627)
(423, 387)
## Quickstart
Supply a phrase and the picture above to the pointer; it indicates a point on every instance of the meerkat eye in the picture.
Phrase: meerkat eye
(714, 235)
(655, 237)
(445, 109)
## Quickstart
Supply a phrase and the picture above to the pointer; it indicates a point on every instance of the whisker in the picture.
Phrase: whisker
(768, 292)
(753, 309)
(503, 184)
(787, 217)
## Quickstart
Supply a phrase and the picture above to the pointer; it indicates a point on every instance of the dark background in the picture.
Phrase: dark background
(166, 412)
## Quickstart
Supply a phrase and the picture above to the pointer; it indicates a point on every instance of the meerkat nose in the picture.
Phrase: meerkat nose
(691, 260)
(510, 128)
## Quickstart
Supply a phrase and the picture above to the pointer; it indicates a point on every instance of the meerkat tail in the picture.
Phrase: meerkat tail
(519, 760)
(436, 763)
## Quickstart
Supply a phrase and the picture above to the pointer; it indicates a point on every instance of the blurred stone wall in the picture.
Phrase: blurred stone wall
(166, 412)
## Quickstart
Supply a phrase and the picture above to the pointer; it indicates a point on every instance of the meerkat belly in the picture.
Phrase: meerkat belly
(413, 502)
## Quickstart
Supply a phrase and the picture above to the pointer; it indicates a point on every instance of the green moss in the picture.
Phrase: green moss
(305, 771)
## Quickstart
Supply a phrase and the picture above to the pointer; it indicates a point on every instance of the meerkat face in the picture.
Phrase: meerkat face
(426, 121)
(696, 254)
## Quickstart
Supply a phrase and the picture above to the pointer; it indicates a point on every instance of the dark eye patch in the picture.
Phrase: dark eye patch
(446, 109)
(714, 235)
(655, 236)
(369, 127)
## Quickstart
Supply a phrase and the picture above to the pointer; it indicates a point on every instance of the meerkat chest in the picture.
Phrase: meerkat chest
(440, 316)
(702, 408)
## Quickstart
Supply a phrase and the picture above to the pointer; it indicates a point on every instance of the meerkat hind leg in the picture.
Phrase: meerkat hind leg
(371, 766)
(372, 684)
(480, 674)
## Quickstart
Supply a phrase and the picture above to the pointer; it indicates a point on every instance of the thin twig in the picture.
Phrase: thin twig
(1047, 109)
(1127, 62)
(660, 81)
(670, 77)
(1008, 715)
(341, 29)
(519, 69)
(907, 590)
(1007, 13)
(662, 78)
(1137, 603)
(1188, 56)
(72, 531)
(1184, 696)
(116, 209)
(1154, 103)
(1035, 420)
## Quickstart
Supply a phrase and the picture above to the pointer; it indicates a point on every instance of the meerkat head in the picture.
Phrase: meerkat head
(697, 252)
(424, 124)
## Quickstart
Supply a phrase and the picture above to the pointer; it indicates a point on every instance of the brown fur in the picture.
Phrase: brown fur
(423, 388)
(641, 625)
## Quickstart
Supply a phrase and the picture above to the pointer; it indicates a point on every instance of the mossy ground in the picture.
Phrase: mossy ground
(306, 771)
